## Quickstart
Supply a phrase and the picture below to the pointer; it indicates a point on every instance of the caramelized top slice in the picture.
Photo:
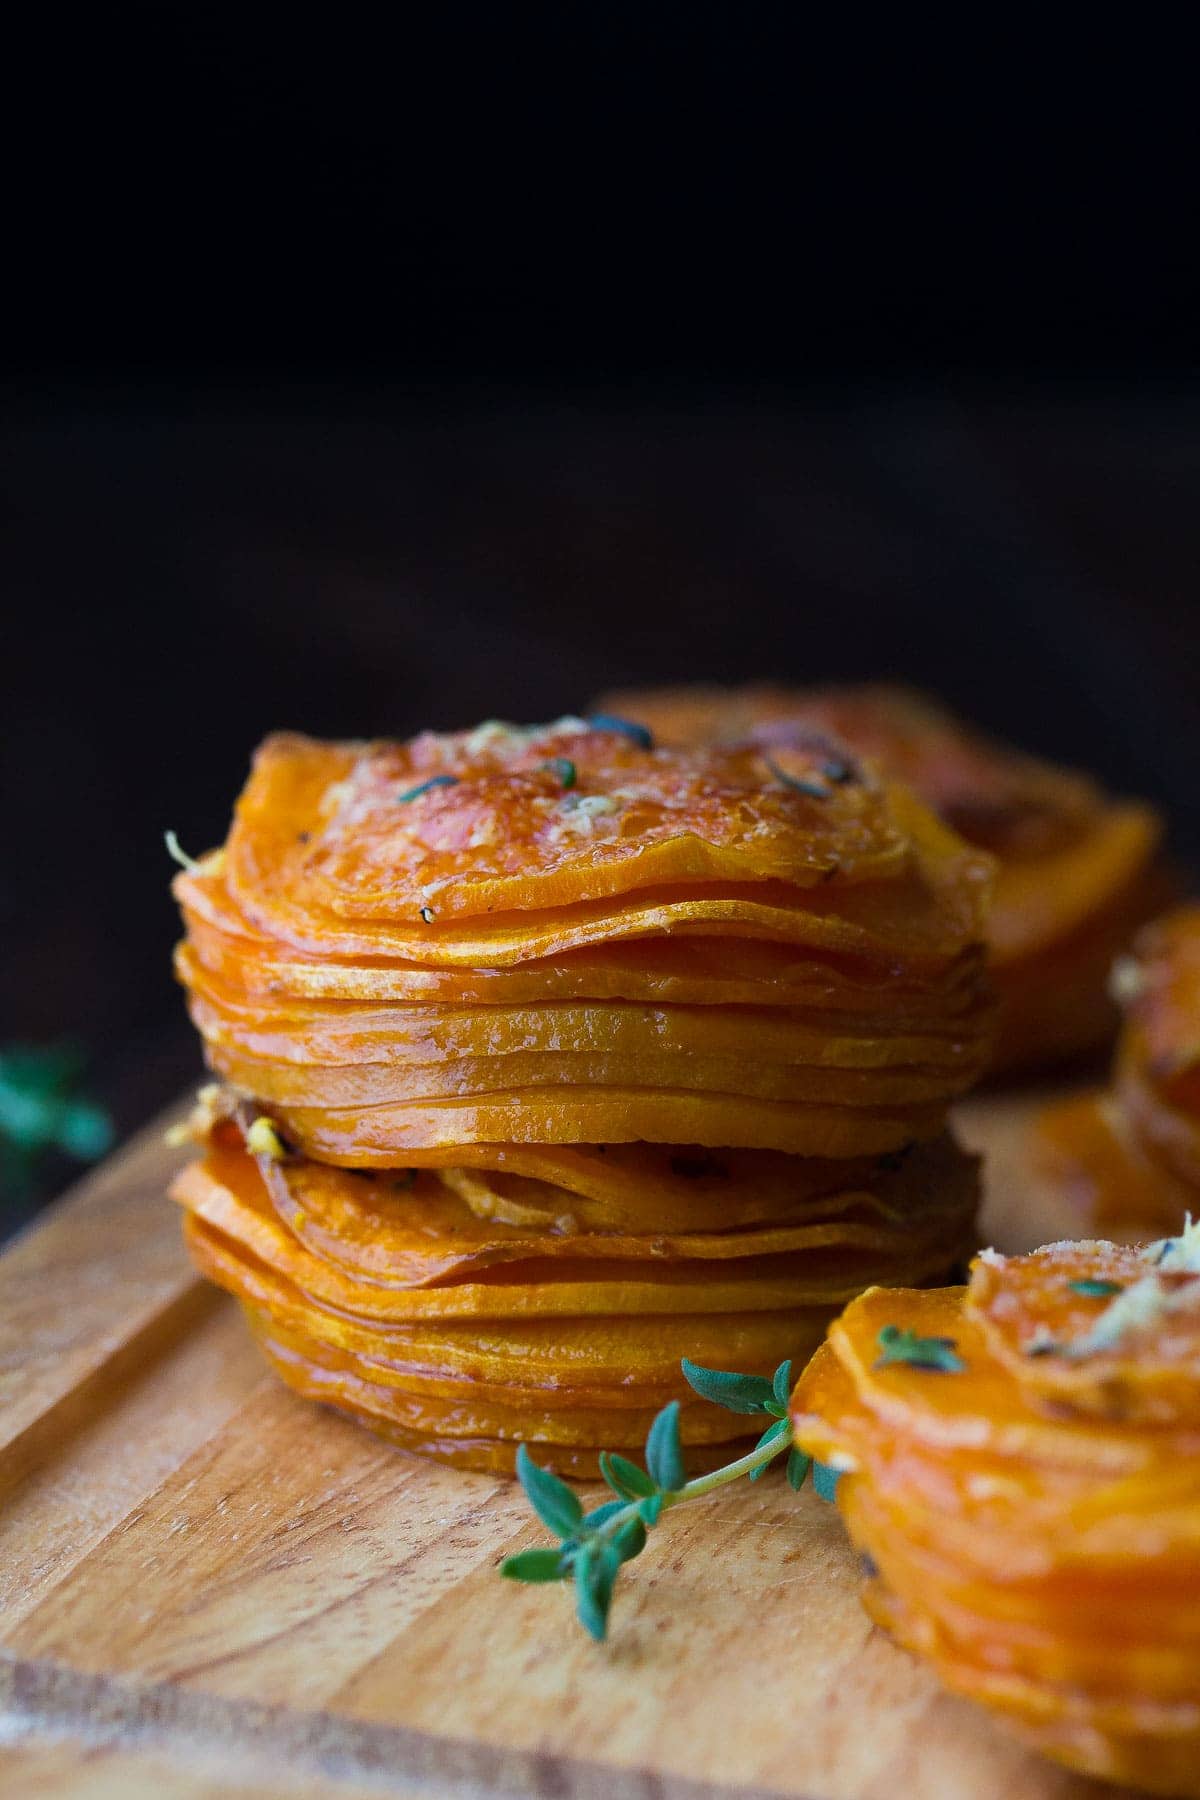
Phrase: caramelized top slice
(500, 819)
(488, 848)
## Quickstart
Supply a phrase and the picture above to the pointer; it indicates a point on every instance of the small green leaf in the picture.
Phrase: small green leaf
(533, 1565)
(556, 1505)
(933, 1353)
(596, 1569)
(637, 734)
(737, 1393)
(38, 1111)
(664, 1453)
(798, 1466)
(825, 1480)
(624, 1477)
(564, 769)
(1096, 1290)
(813, 789)
(774, 1434)
(782, 1383)
(834, 769)
(85, 1131)
(609, 1510)
(630, 1540)
(649, 1508)
(425, 787)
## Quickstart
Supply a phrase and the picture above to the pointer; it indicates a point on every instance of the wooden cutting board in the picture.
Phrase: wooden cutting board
(209, 1587)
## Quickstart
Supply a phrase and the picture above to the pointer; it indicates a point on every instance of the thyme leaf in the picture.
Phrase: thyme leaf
(533, 1565)
(426, 787)
(825, 1481)
(797, 783)
(1095, 1289)
(556, 1505)
(624, 1477)
(664, 1452)
(564, 769)
(637, 734)
(935, 1353)
(737, 1393)
(834, 769)
(798, 1466)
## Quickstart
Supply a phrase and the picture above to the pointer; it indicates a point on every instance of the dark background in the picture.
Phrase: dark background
(360, 379)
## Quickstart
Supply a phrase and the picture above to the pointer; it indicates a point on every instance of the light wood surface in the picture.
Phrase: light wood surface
(209, 1587)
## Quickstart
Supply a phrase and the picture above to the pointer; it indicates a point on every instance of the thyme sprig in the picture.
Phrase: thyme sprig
(593, 1545)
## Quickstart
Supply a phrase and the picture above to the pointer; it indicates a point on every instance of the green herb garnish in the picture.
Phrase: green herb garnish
(41, 1110)
(564, 769)
(637, 734)
(834, 769)
(935, 1353)
(424, 787)
(592, 1546)
(1095, 1290)
(797, 783)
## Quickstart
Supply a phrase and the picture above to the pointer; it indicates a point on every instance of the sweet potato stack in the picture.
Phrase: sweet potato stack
(1023, 1480)
(1129, 1156)
(551, 1057)
(1077, 870)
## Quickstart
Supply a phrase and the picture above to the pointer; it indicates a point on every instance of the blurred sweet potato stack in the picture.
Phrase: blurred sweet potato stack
(1077, 870)
(550, 1056)
(1129, 1155)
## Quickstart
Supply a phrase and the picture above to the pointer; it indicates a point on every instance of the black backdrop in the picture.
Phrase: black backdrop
(360, 380)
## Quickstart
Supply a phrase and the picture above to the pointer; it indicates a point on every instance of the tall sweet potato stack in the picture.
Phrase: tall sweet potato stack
(549, 1057)
(1129, 1155)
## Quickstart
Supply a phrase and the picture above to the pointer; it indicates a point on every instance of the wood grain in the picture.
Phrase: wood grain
(208, 1586)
